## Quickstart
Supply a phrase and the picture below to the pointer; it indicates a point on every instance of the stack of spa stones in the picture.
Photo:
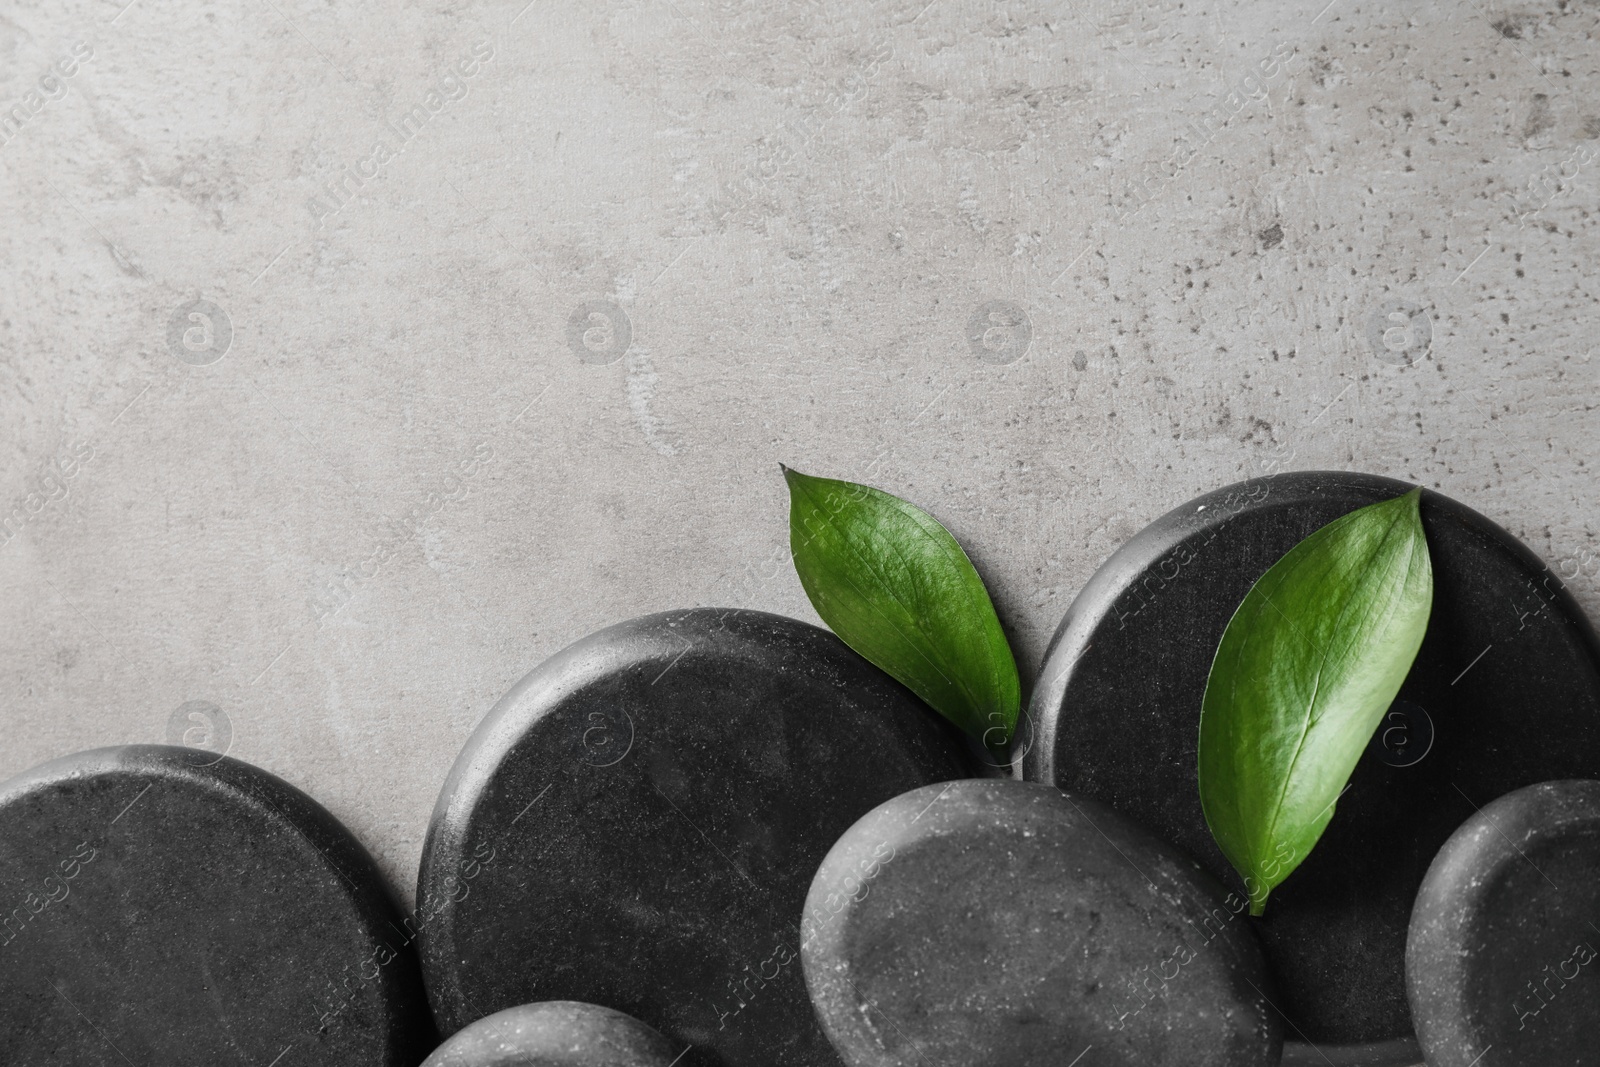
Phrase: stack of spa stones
(719, 838)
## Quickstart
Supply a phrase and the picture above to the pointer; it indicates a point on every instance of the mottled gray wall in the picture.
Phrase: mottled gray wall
(313, 387)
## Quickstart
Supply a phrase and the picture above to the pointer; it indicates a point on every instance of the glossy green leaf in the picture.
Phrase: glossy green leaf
(1307, 667)
(897, 588)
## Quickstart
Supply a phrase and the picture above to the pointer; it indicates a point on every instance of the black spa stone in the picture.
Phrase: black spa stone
(159, 912)
(1008, 924)
(1503, 962)
(1505, 692)
(556, 1033)
(636, 823)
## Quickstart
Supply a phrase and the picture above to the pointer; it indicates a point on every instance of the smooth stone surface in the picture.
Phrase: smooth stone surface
(1508, 675)
(1007, 924)
(636, 824)
(159, 912)
(555, 1033)
(1503, 961)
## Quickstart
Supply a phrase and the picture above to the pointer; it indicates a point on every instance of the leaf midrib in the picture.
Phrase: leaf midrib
(1322, 663)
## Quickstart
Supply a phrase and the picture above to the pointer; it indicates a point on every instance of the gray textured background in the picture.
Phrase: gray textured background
(1028, 265)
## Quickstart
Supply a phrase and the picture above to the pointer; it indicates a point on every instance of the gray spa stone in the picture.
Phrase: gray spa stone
(1503, 960)
(159, 912)
(1008, 924)
(1505, 692)
(636, 824)
(556, 1033)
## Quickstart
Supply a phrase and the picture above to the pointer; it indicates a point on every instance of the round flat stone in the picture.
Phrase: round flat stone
(556, 1033)
(160, 912)
(1005, 923)
(636, 823)
(1505, 692)
(1503, 961)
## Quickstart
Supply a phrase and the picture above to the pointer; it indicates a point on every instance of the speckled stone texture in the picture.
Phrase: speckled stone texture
(1503, 961)
(1008, 924)
(1508, 676)
(557, 1033)
(637, 822)
(160, 912)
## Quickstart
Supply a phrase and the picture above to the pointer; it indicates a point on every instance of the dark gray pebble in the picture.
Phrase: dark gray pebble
(1007, 924)
(1505, 692)
(556, 1033)
(1503, 961)
(160, 912)
(637, 822)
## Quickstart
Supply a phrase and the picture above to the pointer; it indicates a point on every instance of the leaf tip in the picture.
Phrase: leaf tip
(1412, 503)
(800, 481)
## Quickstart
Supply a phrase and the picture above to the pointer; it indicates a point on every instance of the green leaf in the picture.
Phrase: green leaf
(897, 588)
(1307, 667)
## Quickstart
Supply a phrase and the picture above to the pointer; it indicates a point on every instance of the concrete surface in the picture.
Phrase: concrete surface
(353, 359)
